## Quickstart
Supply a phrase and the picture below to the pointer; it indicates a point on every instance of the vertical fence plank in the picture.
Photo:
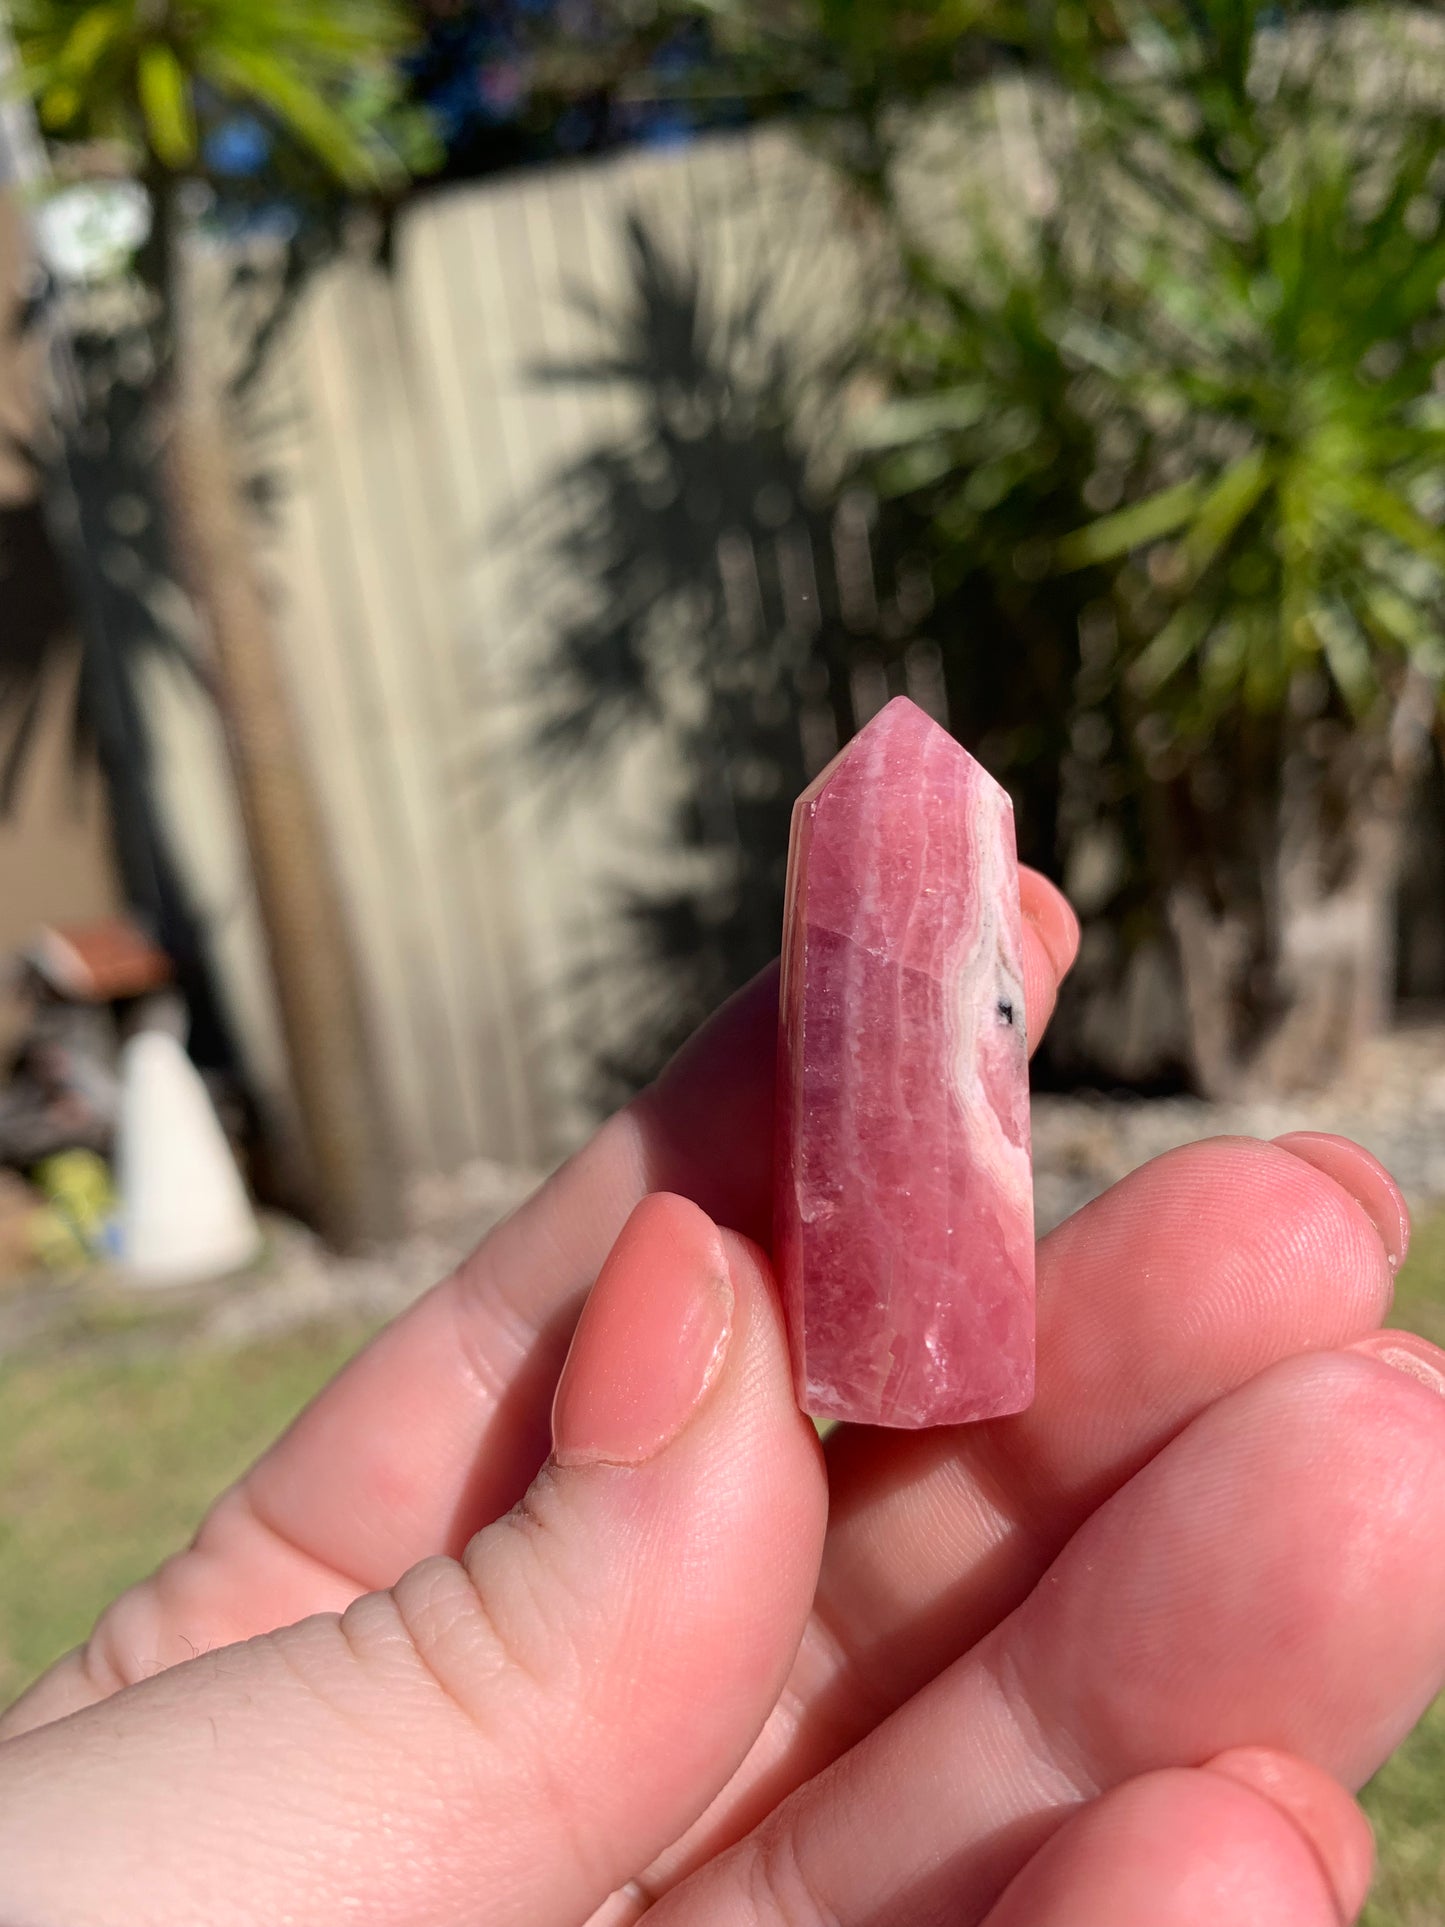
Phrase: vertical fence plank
(317, 608)
(455, 431)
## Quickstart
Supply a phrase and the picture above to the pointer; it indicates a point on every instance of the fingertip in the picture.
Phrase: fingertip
(755, 1282)
(1332, 1823)
(1178, 1846)
(1404, 1352)
(1362, 1175)
(1041, 985)
(1049, 911)
(651, 1342)
(671, 1228)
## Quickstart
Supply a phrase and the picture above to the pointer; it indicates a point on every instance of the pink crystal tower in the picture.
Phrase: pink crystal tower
(905, 1199)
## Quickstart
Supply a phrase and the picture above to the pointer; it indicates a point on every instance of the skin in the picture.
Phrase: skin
(1120, 1659)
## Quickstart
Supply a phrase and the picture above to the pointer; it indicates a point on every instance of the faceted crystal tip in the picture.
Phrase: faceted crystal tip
(904, 1185)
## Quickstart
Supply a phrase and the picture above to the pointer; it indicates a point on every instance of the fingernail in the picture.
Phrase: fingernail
(1052, 915)
(1332, 1823)
(1416, 1357)
(651, 1341)
(1366, 1180)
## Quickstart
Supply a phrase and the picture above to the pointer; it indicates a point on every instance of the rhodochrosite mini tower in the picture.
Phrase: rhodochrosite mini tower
(905, 1197)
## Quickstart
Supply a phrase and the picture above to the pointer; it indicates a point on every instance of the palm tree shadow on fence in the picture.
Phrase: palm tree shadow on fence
(711, 586)
(100, 616)
(111, 611)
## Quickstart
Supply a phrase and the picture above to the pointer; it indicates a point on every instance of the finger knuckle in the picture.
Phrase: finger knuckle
(781, 1888)
(134, 1639)
(495, 1629)
(493, 1676)
(448, 1625)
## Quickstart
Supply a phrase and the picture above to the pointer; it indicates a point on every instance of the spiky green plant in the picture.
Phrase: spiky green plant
(1188, 339)
(155, 73)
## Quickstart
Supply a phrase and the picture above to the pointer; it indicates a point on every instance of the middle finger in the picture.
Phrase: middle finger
(1267, 1581)
(1181, 1283)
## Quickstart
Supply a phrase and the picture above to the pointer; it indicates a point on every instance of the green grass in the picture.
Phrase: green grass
(1420, 1288)
(1406, 1800)
(1406, 1803)
(106, 1465)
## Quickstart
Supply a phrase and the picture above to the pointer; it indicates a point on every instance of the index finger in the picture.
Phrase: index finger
(439, 1425)
(709, 1118)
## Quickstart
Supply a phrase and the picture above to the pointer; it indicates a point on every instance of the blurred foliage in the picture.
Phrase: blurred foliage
(174, 84)
(1168, 399)
(98, 622)
(849, 66)
(110, 469)
(165, 79)
(273, 102)
(530, 78)
(1163, 440)
(1230, 299)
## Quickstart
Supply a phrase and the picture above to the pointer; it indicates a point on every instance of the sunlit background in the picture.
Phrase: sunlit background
(465, 467)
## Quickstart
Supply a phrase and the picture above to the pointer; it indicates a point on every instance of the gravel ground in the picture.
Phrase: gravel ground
(296, 1283)
(1394, 1102)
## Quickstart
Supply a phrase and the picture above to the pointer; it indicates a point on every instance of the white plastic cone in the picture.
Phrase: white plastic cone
(184, 1213)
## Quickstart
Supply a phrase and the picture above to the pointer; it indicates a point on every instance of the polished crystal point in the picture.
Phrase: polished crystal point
(904, 1223)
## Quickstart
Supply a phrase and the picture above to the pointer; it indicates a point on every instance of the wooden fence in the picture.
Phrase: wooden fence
(415, 432)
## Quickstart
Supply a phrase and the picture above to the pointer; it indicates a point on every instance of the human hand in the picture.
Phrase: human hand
(1216, 1537)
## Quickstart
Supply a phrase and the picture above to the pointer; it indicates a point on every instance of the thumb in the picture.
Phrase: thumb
(504, 1738)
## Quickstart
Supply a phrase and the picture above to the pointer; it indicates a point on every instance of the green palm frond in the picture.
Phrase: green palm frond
(1129, 528)
(1238, 290)
(155, 73)
(166, 107)
(248, 73)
